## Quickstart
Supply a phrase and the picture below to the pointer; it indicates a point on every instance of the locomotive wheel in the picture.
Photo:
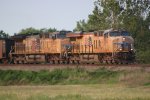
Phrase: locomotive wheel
(23, 62)
(112, 61)
(49, 61)
(108, 61)
(61, 62)
(119, 62)
(72, 62)
(67, 62)
(116, 62)
(78, 62)
(101, 62)
(15, 62)
(53, 61)
(64, 62)
(58, 62)
(104, 61)
(4, 61)
(127, 62)
(20, 62)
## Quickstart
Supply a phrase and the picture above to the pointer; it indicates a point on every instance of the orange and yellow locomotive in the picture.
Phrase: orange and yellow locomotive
(109, 46)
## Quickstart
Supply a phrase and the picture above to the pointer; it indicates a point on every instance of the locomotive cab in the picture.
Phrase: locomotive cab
(121, 44)
(122, 41)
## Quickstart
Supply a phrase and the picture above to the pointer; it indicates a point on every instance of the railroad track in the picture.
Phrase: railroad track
(117, 65)
(37, 67)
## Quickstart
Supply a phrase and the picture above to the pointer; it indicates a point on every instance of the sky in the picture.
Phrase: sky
(60, 14)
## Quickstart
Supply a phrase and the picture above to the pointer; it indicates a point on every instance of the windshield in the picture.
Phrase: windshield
(124, 33)
(117, 33)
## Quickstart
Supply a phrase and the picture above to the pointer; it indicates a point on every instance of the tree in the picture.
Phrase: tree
(52, 30)
(97, 19)
(81, 26)
(32, 30)
(127, 14)
(3, 34)
(104, 16)
(45, 30)
(29, 31)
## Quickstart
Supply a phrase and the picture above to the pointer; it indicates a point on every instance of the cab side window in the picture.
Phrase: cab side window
(106, 35)
(100, 33)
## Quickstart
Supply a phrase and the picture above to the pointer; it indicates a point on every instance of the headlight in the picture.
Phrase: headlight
(131, 49)
(120, 49)
(123, 38)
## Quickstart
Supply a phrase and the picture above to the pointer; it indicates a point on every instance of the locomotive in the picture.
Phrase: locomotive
(109, 46)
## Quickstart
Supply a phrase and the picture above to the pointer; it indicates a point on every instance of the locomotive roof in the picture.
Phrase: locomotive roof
(111, 30)
(107, 31)
(22, 36)
(5, 39)
(79, 34)
(74, 35)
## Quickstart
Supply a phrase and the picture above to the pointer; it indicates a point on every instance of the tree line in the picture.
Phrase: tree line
(29, 30)
(32, 30)
(3, 34)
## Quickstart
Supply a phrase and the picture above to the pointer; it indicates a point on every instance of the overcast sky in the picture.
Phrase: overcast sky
(60, 14)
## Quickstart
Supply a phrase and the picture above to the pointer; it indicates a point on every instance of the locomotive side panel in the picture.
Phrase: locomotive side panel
(107, 45)
(5, 48)
(88, 43)
(32, 45)
(28, 46)
(1, 49)
(53, 46)
(76, 45)
(19, 48)
(98, 43)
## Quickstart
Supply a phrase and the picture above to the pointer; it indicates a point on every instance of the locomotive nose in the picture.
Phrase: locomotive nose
(127, 44)
(123, 44)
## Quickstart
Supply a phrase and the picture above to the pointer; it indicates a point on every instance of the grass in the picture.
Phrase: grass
(75, 92)
(75, 84)
(74, 76)
(57, 76)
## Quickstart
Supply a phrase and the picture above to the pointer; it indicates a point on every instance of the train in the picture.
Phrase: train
(66, 47)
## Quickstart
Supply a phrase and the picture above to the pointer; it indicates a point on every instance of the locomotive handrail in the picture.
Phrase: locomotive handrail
(12, 48)
(10, 53)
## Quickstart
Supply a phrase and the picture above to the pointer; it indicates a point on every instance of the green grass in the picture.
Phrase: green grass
(57, 76)
(75, 84)
(75, 92)
(74, 76)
